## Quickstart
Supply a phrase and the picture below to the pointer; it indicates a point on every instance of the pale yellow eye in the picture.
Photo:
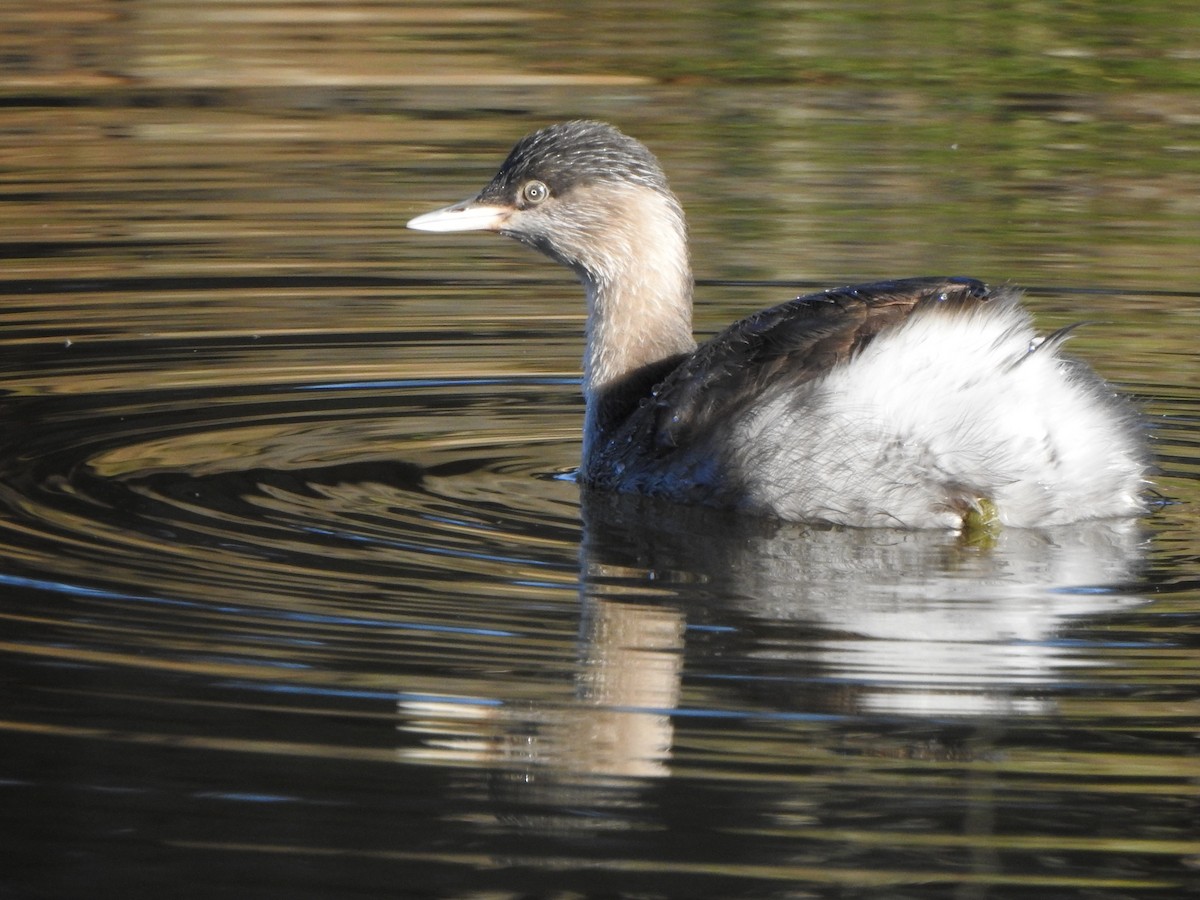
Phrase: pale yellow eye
(535, 192)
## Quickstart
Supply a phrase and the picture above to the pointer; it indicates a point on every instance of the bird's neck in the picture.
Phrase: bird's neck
(639, 321)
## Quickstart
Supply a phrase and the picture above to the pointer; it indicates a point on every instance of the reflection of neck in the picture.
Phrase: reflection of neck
(639, 296)
(630, 681)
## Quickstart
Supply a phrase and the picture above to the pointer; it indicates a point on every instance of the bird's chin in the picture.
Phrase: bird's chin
(465, 216)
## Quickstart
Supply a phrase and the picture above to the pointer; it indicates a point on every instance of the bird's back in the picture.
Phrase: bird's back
(910, 403)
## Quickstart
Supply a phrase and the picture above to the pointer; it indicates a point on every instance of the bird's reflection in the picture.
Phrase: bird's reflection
(911, 624)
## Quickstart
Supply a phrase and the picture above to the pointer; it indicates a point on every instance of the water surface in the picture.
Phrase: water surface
(299, 598)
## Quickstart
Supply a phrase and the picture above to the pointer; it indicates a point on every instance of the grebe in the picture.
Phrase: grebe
(918, 403)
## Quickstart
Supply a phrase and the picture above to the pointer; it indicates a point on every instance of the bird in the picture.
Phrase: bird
(918, 403)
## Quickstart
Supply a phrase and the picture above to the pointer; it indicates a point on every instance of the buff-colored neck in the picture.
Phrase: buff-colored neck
(639, 296)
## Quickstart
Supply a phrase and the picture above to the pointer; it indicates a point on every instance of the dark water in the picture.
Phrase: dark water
(298, 597)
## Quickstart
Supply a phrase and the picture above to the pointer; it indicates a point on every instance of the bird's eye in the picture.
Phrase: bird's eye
(535, 192)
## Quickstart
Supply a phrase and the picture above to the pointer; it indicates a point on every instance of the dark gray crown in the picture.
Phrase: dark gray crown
(571, 153)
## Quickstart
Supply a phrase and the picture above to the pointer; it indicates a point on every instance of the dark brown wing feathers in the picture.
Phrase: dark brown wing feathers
(788, 345)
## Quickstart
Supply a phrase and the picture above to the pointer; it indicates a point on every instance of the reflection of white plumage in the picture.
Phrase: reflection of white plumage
(913, 403)
(907, 622)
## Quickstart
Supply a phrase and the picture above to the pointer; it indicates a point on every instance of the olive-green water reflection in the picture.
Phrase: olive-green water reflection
(298, 598)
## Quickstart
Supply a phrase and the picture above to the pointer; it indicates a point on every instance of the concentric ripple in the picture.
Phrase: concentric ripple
(386, 508)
